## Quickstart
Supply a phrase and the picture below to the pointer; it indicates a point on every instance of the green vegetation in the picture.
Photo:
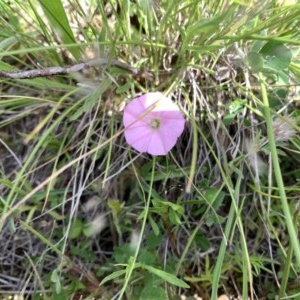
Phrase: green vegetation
(85, 216)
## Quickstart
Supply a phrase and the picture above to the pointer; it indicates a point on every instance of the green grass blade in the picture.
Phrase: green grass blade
(167, 277)
(57, 17)
(285, 205)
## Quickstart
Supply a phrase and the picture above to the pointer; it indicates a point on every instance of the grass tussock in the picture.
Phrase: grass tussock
(85, 216)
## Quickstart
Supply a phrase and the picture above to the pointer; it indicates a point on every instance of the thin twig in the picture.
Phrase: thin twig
(51, 71)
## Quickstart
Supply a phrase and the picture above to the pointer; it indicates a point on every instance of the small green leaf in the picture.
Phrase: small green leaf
(276, 56)
(154, 226)
(142, 215)
(146, 257)
(123, 253)
(55, 215)
(166, 276)
(76, 229)
(115, 206)
(113, 275)
(281, 152)
(176, 207)
(282, 78)
(55, 278)
(173, 217)
(215, 197)
(124, 88)
(228, 119)
(236, 105)
(153, 241)
(255, 61)
(202, 242)
(88, 230)
(214, 219)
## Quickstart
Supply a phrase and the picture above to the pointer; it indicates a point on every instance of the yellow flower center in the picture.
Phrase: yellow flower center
(154, 123)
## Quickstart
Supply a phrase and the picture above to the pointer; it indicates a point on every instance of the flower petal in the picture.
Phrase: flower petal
(157, 146)
(138, 137)
(172, 127)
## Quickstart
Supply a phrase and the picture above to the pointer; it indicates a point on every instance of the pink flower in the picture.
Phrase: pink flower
(152, 123)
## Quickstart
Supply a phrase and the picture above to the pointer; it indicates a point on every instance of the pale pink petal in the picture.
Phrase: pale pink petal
(150, 99)
(136, 109)
(165, 104)
(168, 139)
(170, 115)
(171, 127)
(132, 112)
(135, 122)
(138, 137)
(141, 144)
(172, 121)
(138, 106)
(157, 145)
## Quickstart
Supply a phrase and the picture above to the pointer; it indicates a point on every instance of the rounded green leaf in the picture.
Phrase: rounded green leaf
(76, 229)
(255, 61)
(276, 56)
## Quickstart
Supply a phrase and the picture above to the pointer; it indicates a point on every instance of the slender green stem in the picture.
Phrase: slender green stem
(109, 151)
(287, 265)
(43, 239)
(187, 247)
(194, 155)
(132, 261)
(222, 250)
(278, 175)
(231, 222)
